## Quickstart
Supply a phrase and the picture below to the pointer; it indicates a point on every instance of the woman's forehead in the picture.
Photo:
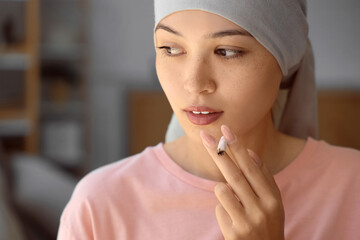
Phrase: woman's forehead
(197, 20)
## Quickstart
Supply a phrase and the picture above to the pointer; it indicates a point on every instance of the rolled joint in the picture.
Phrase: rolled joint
(221, 146)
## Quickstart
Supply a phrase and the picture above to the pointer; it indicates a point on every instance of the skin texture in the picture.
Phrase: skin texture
(236, 75)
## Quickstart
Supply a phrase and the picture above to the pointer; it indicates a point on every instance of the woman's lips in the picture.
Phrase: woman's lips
(202, 115)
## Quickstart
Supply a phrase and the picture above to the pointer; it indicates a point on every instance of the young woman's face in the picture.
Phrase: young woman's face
(205, 63)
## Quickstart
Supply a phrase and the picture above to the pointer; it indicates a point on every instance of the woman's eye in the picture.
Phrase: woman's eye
(170, 51)
(229, 53)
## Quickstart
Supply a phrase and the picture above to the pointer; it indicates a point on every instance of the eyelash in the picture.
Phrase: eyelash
(165, 52)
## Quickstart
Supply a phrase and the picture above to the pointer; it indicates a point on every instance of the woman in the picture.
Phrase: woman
(221, 66)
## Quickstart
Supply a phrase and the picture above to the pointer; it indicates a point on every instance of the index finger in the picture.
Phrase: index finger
(230, 171)
(249, 165)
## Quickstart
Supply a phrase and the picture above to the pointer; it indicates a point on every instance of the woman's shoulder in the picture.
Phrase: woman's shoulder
(330, 151)
(108, 186)
(338, 158)
(323, 164)
(104, 178)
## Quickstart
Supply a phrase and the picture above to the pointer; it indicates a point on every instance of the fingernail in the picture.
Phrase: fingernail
(229, 136)
(207, 139)
(255, 157)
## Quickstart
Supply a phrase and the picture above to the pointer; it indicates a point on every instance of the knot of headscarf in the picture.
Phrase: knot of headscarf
(281, 27)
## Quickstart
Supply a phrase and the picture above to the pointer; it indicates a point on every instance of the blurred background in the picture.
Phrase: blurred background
(78, 90)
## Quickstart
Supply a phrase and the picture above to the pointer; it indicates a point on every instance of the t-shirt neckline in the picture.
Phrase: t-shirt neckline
(180, 173)
(299, 162)
(208, 185)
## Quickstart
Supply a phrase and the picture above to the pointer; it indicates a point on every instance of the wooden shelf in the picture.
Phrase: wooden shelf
(12, 113)
(15, 1)
(14, 48)
(64, 52)
(24, 56)
(14, 62)
(68, 110)
(43, 102)
(14, 127)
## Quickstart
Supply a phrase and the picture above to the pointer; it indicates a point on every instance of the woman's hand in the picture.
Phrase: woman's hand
(250, 202)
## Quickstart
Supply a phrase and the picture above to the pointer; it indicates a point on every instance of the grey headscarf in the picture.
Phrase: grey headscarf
(281, 27)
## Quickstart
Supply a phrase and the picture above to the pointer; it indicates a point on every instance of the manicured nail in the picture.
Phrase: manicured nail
(229, 136)
(255, 157)
(207, 139)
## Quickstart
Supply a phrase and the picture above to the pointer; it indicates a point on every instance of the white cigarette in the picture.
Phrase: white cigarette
(221, 146)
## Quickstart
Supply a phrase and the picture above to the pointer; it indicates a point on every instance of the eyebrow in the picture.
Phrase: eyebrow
(220, 34)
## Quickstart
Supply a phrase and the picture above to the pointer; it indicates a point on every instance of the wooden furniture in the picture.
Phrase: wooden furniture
(149, 115)
(43, 105)
(19, 117)
(43, 80)
(64, 106)
(339, 117)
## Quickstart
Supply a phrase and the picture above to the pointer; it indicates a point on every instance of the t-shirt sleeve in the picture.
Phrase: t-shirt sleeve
(89, 213)
(77, 219)
(64, 233)
(75, 223)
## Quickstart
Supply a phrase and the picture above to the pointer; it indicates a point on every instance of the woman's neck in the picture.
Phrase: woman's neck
(275, 149)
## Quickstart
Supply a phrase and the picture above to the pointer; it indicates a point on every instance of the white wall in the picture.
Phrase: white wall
(335, 35)
(122, 52)
(122, 40)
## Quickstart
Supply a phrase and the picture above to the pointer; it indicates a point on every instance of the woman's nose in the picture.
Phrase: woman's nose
(198, 78)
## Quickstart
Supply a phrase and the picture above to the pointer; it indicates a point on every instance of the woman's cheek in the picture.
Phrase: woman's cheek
(249, 98)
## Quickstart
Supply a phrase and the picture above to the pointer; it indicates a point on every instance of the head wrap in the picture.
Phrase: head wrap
(281, 27)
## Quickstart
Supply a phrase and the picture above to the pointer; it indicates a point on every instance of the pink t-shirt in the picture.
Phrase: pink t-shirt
(148, 196)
